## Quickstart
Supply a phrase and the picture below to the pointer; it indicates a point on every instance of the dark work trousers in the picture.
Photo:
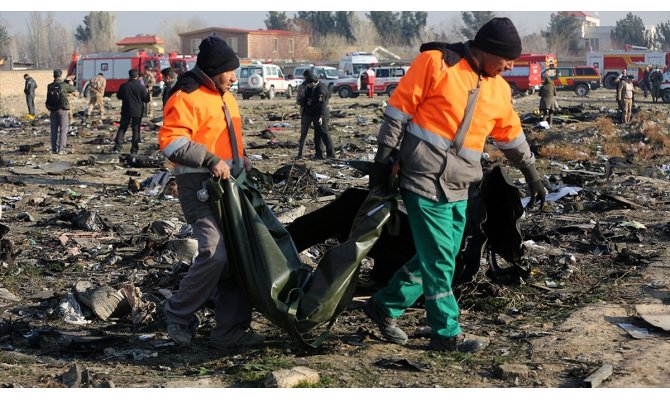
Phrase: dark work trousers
(30, 101)
(59, 126)
(209, 277)
(320, 134)
(134, 123)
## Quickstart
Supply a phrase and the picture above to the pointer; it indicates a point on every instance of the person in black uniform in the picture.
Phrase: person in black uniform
(133, 96)
(315, 112)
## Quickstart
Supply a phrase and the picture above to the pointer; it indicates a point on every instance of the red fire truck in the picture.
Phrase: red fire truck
(115, 67)
(524, 78)
(182, 63)
(612, 63)
(545, 60)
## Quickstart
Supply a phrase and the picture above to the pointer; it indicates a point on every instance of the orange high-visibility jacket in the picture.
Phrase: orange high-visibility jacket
(426, 112)
(195, 124)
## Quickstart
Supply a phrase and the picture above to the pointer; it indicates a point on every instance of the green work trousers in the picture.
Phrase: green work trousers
(437, 229)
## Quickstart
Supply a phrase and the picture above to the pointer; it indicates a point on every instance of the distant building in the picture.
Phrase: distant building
(596, 37)
(149, 43)
(275, 45)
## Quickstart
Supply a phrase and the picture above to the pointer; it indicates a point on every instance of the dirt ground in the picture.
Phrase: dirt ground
(592, 258)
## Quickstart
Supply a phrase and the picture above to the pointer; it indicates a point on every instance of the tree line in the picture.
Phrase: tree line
(48, 44)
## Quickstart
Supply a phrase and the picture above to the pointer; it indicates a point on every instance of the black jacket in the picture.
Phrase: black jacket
(316, 100)
(133, 95)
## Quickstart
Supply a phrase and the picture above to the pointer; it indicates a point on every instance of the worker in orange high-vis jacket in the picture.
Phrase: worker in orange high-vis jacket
(201, 127)
(451, 99)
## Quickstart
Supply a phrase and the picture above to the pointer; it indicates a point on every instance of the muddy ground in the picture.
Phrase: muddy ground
(87, 216)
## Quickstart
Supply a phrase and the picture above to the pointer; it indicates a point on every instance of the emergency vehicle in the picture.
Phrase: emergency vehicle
(115, 67)
(524, 78)
(181, 63)
(351, 64)
(386, 80)
(545, 60)
(612, 63)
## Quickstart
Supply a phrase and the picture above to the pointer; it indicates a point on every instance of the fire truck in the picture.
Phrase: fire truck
(182, 63)
(545, 60)
(524, 78)
(612, 63)
(114, 67)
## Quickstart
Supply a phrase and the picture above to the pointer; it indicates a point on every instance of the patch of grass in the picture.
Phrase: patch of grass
(614, 148)
(324, 382)
(605, 126)
(486, 304)
(252, 374)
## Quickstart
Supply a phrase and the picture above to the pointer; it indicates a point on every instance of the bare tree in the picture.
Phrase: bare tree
(102, 31)
(534, 43)
(37, 39)
(172, 27)
(49, 44)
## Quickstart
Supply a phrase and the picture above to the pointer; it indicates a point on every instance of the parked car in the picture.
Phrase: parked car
(264, 80)
(386, 80)
(582, 78)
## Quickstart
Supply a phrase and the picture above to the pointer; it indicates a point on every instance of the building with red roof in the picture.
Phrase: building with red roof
(149, 43)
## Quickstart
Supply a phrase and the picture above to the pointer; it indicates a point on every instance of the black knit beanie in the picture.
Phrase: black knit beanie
(499, 37)
(216, 56)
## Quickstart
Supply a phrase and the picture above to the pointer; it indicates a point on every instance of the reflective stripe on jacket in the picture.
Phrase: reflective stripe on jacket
(198, 117)
(430, 104)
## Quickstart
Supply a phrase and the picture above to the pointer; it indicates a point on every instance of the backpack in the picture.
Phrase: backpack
(55, 99)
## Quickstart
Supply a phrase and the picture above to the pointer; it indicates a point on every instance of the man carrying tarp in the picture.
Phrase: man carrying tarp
(451, 99)
(202, 130)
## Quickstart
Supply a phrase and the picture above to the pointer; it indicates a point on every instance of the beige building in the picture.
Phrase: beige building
(275, 45)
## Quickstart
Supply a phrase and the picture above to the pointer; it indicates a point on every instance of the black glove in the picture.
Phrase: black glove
(379, 175)
(535, 186)
(381, 172)
(537, 193)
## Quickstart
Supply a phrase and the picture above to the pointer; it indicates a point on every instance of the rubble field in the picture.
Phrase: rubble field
(92, 243)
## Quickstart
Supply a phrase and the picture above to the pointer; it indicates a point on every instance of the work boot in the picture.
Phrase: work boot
(181, 334)
(387, 325)
(457, 343)
(248, 338)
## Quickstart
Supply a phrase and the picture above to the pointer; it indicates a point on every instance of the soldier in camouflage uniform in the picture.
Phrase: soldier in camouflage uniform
(149, 81)
(96, 94)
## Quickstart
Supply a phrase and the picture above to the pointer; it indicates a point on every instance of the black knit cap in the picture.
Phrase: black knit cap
(310, 76)
(216, 56)
(499, 37)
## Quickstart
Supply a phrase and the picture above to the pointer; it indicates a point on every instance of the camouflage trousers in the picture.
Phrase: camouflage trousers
(96, 100)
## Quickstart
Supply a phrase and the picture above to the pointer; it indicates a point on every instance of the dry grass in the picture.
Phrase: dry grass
(564, 152)
(605, 126)
(614, 148)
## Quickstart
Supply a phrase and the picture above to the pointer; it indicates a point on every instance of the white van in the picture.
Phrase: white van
(351, 64)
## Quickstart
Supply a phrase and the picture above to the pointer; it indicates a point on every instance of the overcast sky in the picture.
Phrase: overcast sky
(130, 23)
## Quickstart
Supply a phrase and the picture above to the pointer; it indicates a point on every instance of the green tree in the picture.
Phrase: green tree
(662, 39)
(344, 25)
(277, 20)
(401, 27)
(563, 34)
(629, 30)
(322, 23)
(4, 39)
(98, 31)
(473, 20)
